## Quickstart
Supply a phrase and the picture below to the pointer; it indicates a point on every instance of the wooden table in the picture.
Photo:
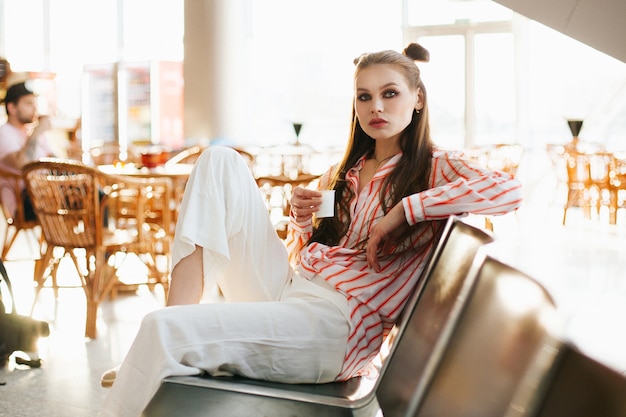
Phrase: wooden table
(173, 171)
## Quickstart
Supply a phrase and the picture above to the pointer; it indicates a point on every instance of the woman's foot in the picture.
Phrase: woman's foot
(108, 378)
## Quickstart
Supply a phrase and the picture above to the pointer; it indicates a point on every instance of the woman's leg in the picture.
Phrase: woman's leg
(186, 283)
(223, 212)
(224, 236)
(295, 340)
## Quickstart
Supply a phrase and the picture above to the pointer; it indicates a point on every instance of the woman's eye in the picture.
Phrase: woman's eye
(390, 93)
(363, 97)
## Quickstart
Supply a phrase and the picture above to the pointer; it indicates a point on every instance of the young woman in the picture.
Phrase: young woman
(317, 309)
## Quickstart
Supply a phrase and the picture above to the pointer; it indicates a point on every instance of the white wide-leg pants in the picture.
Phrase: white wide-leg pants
(274, 324)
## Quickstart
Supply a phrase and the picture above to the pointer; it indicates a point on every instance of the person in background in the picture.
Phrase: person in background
(318, 308)
(22, 140)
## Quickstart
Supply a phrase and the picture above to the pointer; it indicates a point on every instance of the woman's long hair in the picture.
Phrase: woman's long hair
(412, 173)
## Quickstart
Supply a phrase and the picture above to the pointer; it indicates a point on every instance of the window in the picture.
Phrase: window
(520, 81)
(495, 95)
(450, 12)
(444, 79)
(471, 76)
(62, 36)
(494, 76)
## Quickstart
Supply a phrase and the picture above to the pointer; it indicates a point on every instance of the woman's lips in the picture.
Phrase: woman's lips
(378, 123)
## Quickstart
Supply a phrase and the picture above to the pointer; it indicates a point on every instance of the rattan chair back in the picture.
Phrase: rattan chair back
(11, 188)
(76, 205)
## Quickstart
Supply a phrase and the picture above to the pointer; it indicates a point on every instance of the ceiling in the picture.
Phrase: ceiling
(597, 23)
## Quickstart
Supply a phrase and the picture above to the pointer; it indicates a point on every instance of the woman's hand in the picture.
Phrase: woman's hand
(382, 233)
(304, 202)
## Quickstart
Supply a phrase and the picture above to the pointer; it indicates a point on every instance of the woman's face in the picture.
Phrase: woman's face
(384, 101)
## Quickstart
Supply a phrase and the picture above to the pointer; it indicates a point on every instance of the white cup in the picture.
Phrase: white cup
(327, 208)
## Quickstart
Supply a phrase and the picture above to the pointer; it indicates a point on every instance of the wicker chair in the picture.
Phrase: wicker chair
(276, 191)
(589, 183)
(75, 205)
(191, 154)
(11, 186)
(186, 156)
(143, 205)
(618, 185)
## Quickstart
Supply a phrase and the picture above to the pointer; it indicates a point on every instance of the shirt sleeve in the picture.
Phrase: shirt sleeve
(11, 140)
(460, 187)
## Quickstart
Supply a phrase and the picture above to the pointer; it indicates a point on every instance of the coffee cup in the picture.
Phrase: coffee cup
(327, 208)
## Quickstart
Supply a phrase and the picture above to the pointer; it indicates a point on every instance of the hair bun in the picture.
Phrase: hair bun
(417, 52)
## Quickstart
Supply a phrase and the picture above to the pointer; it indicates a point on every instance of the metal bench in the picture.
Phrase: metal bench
(505, 322)
(424, 314)
(567, 382)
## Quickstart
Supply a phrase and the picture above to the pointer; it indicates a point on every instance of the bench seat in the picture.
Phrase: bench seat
(205, 395)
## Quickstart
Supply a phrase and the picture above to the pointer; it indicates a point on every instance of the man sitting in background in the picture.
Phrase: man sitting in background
(21, 140)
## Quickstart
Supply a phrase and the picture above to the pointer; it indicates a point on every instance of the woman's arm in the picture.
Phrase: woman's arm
(304, 202)
(459, 187)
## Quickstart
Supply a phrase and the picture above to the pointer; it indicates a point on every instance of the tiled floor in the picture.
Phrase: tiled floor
(583, 265)
(68, 383)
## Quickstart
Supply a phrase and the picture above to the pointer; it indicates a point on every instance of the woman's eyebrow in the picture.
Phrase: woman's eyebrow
(391, 84)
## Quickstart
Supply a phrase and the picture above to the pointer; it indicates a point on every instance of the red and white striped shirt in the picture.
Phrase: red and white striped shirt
(375, 299)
